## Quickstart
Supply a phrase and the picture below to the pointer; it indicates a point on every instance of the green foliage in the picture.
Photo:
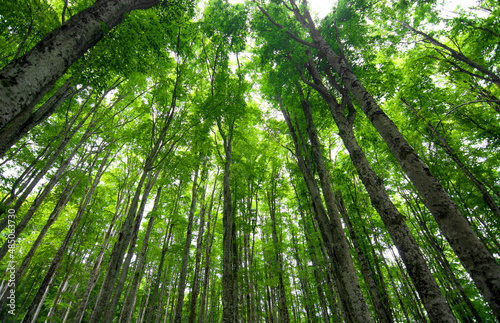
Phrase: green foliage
(223, 75)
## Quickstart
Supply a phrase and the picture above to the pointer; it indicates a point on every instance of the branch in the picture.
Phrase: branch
(297, 39)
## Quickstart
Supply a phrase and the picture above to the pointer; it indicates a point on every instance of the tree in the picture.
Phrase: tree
(329, 161)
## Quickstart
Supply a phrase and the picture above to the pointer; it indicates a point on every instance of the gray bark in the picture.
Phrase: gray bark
(61, 203)
(196, 285)
(66, 134)
(23, 122)
(187, 246)
(109, 315)
(354, 305)
(473, 254)
(166, 243)
(383, 313)
(487, 197)
(126, 232)
(434, 302)
(33, 311)
(208, 248)
(129, 304)
(271, 200)
(47, 189)
(94, 275)
(25, 80)
(228, 270)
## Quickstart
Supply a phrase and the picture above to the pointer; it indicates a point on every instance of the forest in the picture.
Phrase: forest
(259, 161)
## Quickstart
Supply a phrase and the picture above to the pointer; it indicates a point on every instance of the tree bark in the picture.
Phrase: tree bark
(271, 201)
(24, 81)
(350, 294)
(66, 134)
(488, 199)
(23, 122)
(434, 302)
(32, 312)
(129, 304)
(94, 275)
(208, 249)
(61, 203)
(47, 189)
(383, 313)
(187, 246)
(199, 243)
(228, 270)
(118, 290)
(474, 256)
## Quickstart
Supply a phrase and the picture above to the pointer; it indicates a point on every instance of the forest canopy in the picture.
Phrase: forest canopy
(222, 161)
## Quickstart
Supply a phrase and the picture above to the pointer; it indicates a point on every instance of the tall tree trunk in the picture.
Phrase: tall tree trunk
(46, 190)
(187, 246)
(383, 313)
(303, 281)
(271, 200)
(436, 306)
(26, 79)
(25, 121)
(32, 312)
(66, 135)
(61, 203)
(474, 256)
(109, 315)
(488, 199)
(129, 303)
(94, 275)
(166, 243)
(228, 270)
(199, 243)
(350, 294)
(117, 254)
(208, 249)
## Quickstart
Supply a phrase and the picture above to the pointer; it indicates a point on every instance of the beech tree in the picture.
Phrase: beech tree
(249, 162)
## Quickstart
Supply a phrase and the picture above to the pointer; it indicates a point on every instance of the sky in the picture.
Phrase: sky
(322, 7)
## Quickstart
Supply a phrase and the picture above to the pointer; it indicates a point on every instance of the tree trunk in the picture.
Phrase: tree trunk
(228, 270)
(474, 256)
(208, 248)
(94, 275)
(109, 315)
(32, 312)
(488, 199)
(117, 254)
(26, 79)
(61, 203)
(435, 304)
(271, 200)
(46, 190)
(196, 284)
(129, 303)
(66, 134)
(383, 313)
(350, 294)
(187, 246)
(25, 121)
(166, 243)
